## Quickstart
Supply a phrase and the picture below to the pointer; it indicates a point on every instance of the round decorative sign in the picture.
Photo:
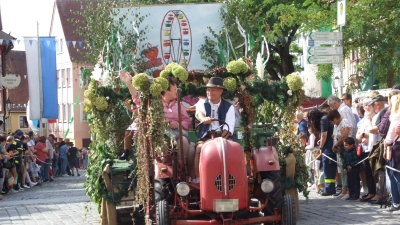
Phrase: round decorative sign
(11, 81)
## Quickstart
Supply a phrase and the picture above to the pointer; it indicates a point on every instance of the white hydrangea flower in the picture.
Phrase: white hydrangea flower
(106, 78)
(289, 92)
(97, 73)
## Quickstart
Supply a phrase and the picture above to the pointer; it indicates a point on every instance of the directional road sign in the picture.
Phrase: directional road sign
(325, 50)
(325, 59)
(312, 43)
(325, 36)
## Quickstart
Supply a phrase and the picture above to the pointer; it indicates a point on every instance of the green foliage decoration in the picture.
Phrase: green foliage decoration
(237, 67)
(112, 47)
(294, 82)
(141, 82)
(230, 83)
(101, 103)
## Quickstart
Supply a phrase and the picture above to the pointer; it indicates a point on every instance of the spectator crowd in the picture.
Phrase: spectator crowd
(352, 148)
(27, 161)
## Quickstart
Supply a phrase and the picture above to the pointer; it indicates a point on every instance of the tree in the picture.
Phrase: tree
(371, 29)
(281, 23)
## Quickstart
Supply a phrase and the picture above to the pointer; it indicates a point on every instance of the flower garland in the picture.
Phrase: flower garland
(154, 137)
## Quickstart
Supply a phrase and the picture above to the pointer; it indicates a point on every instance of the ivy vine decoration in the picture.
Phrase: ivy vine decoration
(106, 113)
(154, 137)
(289, 141)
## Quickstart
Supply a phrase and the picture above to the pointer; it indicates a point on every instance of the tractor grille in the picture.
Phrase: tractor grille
(218, 182)
(232, 182)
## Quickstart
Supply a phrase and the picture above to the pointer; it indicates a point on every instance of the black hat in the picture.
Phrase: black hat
(378, 98)
(71, 144)
(216, 82)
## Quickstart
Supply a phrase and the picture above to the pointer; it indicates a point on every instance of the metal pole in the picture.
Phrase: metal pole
(40, 83)
(182, 158)
(341, 67)
(4, 90)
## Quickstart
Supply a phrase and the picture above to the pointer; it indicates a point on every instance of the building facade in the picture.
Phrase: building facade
(71, 123)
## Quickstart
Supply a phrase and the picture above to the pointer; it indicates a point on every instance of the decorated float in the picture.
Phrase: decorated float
(261, 187)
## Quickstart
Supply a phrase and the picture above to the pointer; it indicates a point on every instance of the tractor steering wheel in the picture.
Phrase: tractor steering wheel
(222, 124)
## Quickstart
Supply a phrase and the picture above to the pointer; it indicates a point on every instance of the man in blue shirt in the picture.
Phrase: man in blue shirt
(326, 145)
(301, 124)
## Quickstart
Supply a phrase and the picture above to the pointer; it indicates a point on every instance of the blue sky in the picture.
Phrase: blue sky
(20, 17)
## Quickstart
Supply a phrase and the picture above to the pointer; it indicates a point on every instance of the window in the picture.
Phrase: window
(60, 44)
(68, 77)
(71, 112)
(83, 113)
(62, 77)
(59, 112)
(65, 113)
(23, 122)
(85, 73)
(59, 78)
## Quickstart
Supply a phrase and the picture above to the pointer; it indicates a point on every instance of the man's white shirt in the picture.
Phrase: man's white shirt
(229, 119)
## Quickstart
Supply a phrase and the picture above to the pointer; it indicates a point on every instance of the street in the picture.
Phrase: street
(64, 202)
(60, 202)
(326, 210)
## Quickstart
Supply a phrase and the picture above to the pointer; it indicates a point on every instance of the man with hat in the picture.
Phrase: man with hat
(213, 107)
(378, 104)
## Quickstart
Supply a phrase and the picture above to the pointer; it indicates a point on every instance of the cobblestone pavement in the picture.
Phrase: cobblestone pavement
(326, 210)
(63, 201)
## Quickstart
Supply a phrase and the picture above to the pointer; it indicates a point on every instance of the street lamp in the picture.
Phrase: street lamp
(336, 84)
(8, 105)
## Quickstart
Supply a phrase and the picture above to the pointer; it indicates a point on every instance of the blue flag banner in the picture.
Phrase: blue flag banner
(49, 77)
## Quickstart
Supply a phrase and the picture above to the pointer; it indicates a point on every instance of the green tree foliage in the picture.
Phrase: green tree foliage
(372, 29)
(280, 22)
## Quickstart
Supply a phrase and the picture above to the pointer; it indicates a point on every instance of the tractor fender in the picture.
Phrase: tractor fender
(265, 159)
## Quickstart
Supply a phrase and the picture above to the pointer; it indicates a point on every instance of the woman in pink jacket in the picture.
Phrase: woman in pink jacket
(171, 114)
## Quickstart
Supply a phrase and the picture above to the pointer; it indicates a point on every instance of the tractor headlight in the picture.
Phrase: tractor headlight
(267, 186)
(183, 189)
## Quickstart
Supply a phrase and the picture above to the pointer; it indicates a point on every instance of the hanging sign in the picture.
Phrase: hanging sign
(323, 36)
(341, 12)
(324, 59)
(10, 81)
(325, 50)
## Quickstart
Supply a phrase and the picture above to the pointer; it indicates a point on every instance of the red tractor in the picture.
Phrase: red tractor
(234, 189)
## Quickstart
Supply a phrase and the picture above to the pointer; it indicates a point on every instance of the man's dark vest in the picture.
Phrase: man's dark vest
(222, 111)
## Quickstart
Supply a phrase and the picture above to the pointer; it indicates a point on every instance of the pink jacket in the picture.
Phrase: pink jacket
(170, 112)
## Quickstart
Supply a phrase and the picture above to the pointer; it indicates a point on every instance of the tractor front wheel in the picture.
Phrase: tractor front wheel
(289, 211)
(162, 213)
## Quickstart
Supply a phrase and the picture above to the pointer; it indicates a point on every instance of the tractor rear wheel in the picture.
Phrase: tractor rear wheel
(159, 190)
(289, 211)
(275, 197)
(162, 213)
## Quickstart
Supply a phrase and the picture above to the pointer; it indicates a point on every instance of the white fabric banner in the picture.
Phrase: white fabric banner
(32, 64)
(30, 121)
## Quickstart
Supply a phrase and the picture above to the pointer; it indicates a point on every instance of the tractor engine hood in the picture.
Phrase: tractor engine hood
(223, 176)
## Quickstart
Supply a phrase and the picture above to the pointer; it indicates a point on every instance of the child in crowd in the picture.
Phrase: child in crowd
(318, 170)
(308, 159)
(350, 159)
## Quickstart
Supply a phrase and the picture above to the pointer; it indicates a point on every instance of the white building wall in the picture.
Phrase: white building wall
(68, 89)
(312, 86)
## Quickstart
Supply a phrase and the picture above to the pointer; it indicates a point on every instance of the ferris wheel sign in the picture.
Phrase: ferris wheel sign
(176, 38)
(174, 33)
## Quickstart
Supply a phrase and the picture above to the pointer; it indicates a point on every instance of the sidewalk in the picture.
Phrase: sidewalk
(63, 201)
(327, 210)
